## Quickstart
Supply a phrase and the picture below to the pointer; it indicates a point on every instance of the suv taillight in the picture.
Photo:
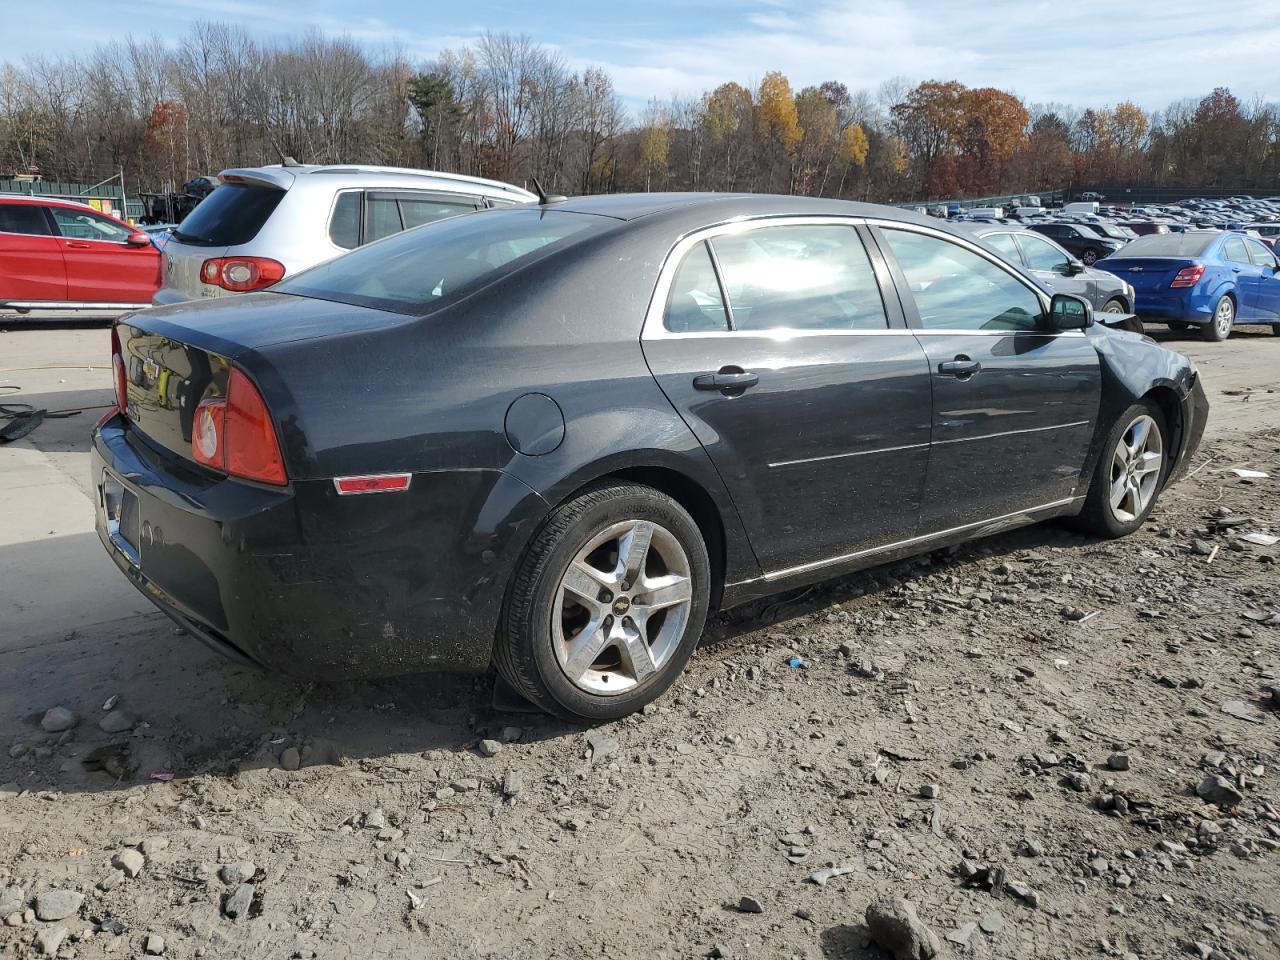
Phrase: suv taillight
(118, 371)
(242, 274)
(234, 434)
(1188, 276)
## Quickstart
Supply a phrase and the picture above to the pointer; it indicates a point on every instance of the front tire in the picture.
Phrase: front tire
(1129, 474)
(607, 604)
(1219, 326)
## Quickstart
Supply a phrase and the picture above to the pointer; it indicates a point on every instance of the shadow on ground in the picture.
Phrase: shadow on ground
(193, 713)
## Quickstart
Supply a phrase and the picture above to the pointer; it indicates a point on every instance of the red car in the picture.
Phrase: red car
(63, 255)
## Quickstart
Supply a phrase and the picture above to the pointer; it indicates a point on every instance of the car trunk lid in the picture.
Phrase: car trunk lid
(179, 355)
(1145, 273)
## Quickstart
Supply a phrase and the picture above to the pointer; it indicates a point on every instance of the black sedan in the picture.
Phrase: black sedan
(1079, 240)
(555, 437)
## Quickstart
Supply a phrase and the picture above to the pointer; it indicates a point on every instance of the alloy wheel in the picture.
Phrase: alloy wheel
(1224, 316)
(1135, 469)
(622, 607)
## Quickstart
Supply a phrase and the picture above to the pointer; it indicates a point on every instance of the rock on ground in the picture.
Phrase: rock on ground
(893, 924)
(57, 904)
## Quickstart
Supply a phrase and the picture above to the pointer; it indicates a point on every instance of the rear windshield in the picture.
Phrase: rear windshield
(417, 270)
(1168, 245)
(231, 215)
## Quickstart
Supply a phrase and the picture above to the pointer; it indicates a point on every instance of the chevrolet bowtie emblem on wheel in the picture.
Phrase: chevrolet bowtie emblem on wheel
(151, 368)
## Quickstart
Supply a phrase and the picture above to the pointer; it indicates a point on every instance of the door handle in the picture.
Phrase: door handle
(727, 380)
(77, 245)
(1235, 269)
(962, 368)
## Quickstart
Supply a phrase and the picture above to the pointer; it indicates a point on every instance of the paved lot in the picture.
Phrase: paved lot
(637, 854)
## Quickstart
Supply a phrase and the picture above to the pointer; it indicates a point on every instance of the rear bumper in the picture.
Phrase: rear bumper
(1168, 305)
(314, 585)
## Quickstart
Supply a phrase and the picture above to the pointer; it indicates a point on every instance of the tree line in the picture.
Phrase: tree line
(508, 108)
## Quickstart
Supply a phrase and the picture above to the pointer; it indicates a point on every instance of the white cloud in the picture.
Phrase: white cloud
(1090, 53)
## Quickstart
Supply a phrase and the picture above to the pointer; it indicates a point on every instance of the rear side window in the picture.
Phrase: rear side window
(416, 212)
(23, 218)
(344, 224)
(384, 218)
(1234, 250)
(231, 215)
(695, 304)
(799, 278)
(956, 289)
(86, 225)
(416, 271)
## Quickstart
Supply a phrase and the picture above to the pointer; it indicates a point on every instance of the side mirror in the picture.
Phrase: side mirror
(1068, 312)
(139, 239)
(1075, 268)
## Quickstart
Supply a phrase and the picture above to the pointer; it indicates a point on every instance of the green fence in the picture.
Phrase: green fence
(83, 192)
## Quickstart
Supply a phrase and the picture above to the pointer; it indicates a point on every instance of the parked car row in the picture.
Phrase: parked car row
(1192, 265)
(259, 226)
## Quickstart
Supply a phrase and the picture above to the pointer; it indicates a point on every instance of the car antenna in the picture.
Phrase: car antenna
(543, 197)
(285, 159)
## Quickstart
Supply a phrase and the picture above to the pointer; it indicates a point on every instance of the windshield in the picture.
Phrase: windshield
(1168, 245)
(231, 215)
(420, 269)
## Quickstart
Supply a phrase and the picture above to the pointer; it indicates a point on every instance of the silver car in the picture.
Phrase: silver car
(265, 223)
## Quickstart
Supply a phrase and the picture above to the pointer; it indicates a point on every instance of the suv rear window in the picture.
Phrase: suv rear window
(231, 215)
(417, 270)
(1167, 245)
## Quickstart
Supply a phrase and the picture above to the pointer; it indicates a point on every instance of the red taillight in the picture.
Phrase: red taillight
(1188, 276)
(118, 370)
(241, 274)
(234, 434)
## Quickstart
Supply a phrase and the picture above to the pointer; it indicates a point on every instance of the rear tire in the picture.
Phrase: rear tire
(1224, 317)
(1275, 329)
(1089, 258)
(607, 604)
(1129, 474)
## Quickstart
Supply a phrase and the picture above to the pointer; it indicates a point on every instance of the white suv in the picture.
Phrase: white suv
(266, 223)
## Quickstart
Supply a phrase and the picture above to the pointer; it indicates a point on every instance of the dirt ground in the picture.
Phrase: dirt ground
(1010, 735)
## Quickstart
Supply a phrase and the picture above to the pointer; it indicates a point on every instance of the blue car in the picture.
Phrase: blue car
(1202, 278)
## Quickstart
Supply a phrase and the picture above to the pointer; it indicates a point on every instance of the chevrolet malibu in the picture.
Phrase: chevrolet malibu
(553, 438)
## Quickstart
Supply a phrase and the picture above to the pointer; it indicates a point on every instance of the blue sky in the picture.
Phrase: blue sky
(1085, 53)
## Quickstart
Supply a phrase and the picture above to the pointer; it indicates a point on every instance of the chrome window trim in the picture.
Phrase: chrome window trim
(654, 327)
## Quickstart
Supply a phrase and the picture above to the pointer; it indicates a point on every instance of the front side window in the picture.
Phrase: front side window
(799, 278)
(85, 225)
(695, 304)
(1043, 255)
(1005, 245)
(957, 289)
(25, 218)
(1261, 255)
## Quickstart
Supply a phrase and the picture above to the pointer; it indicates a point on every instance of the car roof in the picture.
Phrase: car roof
(699, 209)
(36, 198)
(363, 175)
